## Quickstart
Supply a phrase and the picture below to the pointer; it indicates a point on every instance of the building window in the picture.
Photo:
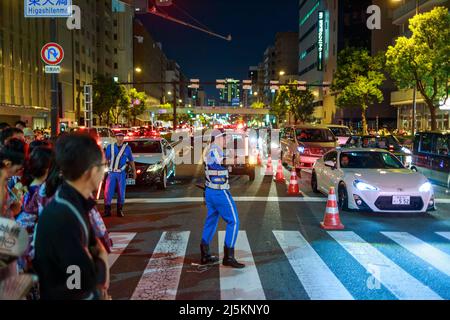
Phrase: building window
(313, 27)
(115, 36)
(116, 66)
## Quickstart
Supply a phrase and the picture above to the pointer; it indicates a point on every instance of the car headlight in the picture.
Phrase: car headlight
(301, 149)
(363, 186)
(426, 187)
(154, 167)
(406, 150)
(252, 160)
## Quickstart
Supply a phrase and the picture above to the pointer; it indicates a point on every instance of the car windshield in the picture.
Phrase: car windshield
(314, 135)
(382, 142)
(341, 132)
(145, 146)
(369, 160)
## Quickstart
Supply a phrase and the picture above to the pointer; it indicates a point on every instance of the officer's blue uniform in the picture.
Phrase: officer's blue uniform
(218, 199)
(117, 176)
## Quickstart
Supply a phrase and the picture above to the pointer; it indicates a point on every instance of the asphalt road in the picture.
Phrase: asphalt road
(288, 255)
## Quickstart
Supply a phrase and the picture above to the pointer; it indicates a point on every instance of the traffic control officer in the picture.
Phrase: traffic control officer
(220, 203)
(119, 156)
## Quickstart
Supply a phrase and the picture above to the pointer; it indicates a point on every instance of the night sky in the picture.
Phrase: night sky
(252, 24)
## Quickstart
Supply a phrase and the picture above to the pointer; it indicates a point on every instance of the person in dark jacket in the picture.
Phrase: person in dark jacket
(70, 261)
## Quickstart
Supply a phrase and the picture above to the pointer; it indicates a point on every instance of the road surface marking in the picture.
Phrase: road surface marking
(319, 281)
(240, 284)
(431, 255)
(395, 279)
(446, 235)
(162, 275)
(236, 199)
(240, 199)
(120, 241)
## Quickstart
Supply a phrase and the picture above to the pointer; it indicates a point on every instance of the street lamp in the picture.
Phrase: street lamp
(282, 73)
(169, 93)
(138, 70)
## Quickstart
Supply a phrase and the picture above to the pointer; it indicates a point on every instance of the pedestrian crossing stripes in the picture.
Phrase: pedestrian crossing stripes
(394, 278)
(317, 274)
(309, 267)
(423, 250)
(120, 241)
(240, 284)
(162, 274)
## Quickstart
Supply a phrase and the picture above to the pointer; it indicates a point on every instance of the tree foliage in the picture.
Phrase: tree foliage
(136, 107)
(357, 80)
(422, 60)
(108, 98)
(291, 99)
(257, 105)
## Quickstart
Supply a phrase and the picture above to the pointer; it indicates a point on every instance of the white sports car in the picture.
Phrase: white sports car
(372, 180)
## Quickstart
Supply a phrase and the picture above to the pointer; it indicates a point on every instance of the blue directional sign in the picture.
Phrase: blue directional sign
(47, 8)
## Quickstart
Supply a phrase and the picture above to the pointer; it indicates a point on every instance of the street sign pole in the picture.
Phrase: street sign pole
(54, 117)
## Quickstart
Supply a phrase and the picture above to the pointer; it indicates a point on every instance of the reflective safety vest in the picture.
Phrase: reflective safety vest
(216, 176)
(115, 160)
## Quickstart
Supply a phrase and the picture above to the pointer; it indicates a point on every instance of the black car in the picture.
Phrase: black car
(431, 156)
(388, 142)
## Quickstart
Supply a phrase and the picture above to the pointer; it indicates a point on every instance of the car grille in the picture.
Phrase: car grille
(385, 203)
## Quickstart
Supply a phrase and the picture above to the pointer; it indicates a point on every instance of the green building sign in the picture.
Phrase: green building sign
(320, 40)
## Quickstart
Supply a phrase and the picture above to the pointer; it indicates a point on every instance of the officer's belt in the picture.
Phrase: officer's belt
(216, 172)
(211, 185)
(118, 170)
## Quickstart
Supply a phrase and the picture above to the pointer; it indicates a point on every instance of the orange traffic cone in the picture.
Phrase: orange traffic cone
(269, 169)
(280, 175)
(258, 159)
(331, 221)
(293, 184)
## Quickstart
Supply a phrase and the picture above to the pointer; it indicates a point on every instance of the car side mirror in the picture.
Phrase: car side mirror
(330, 164)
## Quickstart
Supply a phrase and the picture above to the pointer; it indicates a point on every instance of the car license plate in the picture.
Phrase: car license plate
(401, 200)
(131, 182)
(230, 169)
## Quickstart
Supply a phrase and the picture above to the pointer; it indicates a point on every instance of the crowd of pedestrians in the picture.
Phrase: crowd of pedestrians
(47, 188)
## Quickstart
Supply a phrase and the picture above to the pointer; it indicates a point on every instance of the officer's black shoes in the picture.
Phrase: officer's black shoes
(207, 258)
(107, 212)
(229, 260)
(120, 211)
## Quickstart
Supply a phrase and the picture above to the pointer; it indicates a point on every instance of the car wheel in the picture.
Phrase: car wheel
(162, 185)
(314, 187)
(251, 175)
(414, 169)
(342, 197)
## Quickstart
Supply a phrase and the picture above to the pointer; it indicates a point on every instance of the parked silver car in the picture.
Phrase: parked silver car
(302, 145)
